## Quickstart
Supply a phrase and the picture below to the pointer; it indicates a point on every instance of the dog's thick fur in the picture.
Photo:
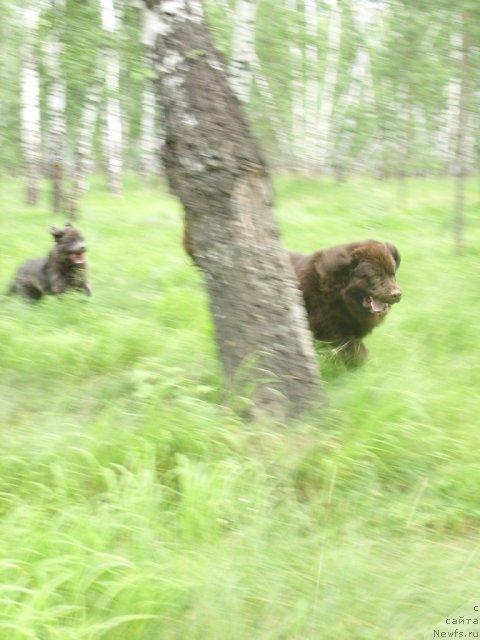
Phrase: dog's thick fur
(348, 290)
(64, 269)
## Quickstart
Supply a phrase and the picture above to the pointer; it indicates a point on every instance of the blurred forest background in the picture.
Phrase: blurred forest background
(333, 87)
(134, 503)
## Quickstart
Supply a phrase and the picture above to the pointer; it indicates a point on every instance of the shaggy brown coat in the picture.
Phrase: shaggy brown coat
(64, 269)
(348, 290)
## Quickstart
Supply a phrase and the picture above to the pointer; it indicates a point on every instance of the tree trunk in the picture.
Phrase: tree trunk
(359, 90)
(151, 139)
(56, 114)
(215, 168)
(446, 138)
(243, 49)
(30, 113)
(329, 86)
(311, 83)
(461, 137)
(297, 103)
(83, 151)
(113, 138)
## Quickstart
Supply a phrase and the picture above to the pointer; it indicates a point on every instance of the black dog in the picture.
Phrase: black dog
(64, 269)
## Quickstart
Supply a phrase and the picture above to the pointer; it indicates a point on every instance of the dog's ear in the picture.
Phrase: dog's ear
(395, 254)
(335, 261)
(57, 233)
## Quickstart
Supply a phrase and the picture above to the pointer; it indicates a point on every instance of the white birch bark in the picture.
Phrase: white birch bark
(329, 86)
(84, 148)
(30, 103)
(243, 49)
(360, 89)
(113, 134)
(448, 130)
(151, 138)
(56, 114)
(461, 137)
(296, 91)
(311, 82)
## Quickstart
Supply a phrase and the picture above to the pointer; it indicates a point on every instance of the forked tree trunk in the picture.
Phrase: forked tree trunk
(213, 165)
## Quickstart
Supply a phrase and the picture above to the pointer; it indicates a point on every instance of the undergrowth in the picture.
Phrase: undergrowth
(134, 505)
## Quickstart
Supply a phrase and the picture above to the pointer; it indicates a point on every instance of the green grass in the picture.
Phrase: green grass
(134, 506)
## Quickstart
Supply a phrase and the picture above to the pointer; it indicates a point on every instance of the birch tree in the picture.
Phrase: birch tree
(243, 49)
(311, 82)
(297, 114)
(56, 108)
(329, 85)
(359, 89)
(30, 112)
(460, 161)
(113, 138)
(84, 144)
(150, 138)
(215, 168)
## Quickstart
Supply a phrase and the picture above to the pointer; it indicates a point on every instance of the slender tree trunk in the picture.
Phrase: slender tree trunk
(447, 134)
(215, 168)
(296, 90)
(83, 150)
(30, 113)
(113, 137)
(151, 138)
(243, 49)
(56, 113)
(359, 90)
(404, 145)
(461, 137)
(329, 86)
(311, 83)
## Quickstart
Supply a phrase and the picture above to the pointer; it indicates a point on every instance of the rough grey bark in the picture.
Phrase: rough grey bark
(214, 166)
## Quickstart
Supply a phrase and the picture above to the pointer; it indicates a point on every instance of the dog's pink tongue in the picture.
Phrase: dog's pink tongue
(77, 258)
(377, 306)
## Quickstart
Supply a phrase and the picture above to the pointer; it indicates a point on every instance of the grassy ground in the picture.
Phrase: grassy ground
(134, 507)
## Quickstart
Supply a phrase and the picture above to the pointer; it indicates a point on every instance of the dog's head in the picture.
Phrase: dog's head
(364, 272)
(70, 244)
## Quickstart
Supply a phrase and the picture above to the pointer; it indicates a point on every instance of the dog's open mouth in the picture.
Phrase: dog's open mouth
(77, 258)
(377, 307)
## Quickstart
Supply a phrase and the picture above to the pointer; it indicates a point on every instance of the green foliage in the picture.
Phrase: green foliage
(135, 506)
(411, 64)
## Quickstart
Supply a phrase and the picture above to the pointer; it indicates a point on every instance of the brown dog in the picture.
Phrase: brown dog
(348, 290)
(64, 269)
